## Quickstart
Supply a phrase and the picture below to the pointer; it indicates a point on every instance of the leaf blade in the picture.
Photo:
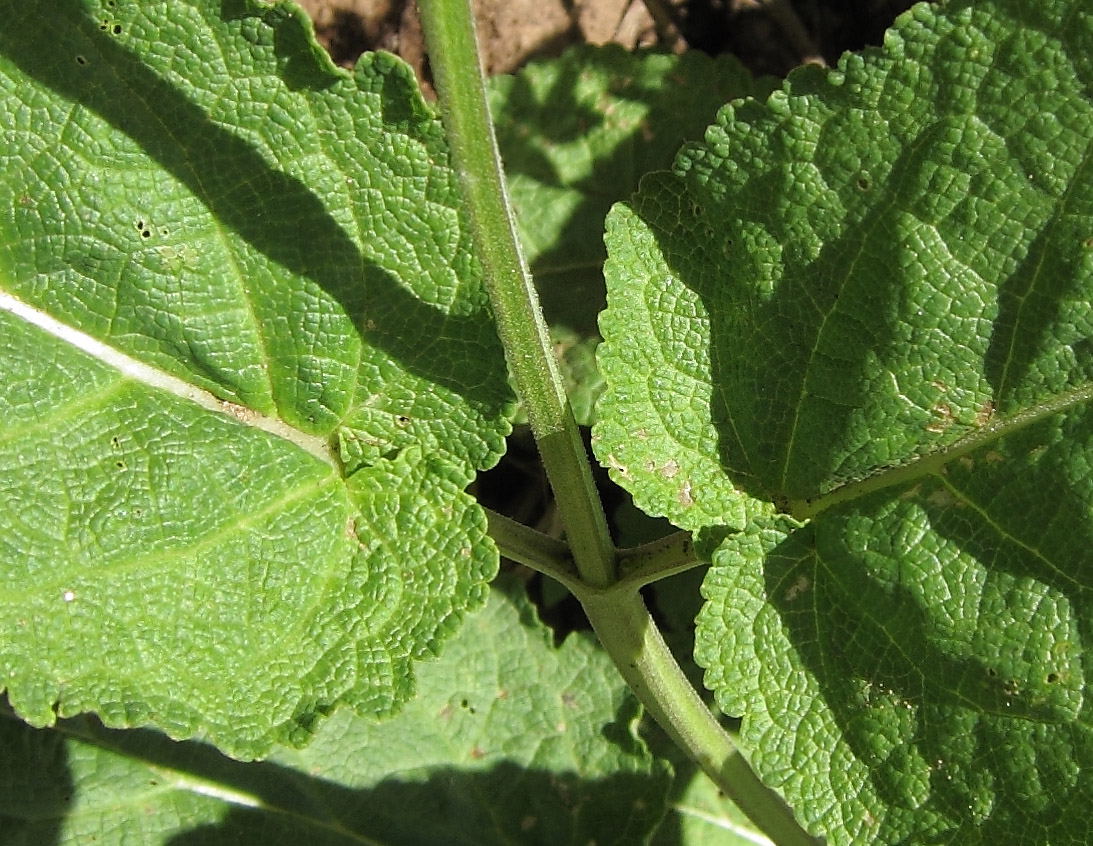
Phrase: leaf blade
(232, 236)
(528, 743)
(868, 305)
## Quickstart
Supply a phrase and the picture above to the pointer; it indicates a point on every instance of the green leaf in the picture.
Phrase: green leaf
(249, 368)
(576, 134)
(521, 743)
(868, 302)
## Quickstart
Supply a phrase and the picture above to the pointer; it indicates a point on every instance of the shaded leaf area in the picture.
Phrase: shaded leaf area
(519, 743)
(576, 134)
(867, 303)
(932, 681)
(207, 231)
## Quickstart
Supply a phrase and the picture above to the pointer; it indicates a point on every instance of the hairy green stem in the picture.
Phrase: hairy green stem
(453, 53)
(659, 559)
(533, 549)
(628, 633)
(616, 611)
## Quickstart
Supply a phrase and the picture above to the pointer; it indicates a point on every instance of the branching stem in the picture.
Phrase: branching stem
(615, 608)
(453, 52)
(533, 549)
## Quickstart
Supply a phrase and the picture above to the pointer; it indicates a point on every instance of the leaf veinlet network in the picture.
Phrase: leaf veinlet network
(179, 528)
(258, 321)
(902, 245)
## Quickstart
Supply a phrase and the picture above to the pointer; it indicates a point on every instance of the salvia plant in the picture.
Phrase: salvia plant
(264, 322)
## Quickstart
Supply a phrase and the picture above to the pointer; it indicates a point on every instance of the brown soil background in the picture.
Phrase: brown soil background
(769, 36)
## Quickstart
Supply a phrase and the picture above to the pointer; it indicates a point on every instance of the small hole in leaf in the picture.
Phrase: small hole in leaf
(1088, 243)
(146, 233)
(80, 60)
(863, 183)
(402, 420)
(1052, 678)
(117, 29)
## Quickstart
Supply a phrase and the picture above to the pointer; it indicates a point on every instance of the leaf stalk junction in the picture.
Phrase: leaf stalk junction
(605, 580)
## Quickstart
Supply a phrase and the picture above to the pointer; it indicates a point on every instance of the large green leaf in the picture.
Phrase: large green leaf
(520, 743)
(868, 303)
(248, 369)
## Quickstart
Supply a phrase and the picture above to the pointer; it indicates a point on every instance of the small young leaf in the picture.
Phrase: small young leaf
(867, 303)
(231, 276)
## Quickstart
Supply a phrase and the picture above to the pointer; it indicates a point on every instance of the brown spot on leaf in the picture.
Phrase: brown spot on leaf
(239, 412)
(985, 413)
(943, 418)
(801, 584)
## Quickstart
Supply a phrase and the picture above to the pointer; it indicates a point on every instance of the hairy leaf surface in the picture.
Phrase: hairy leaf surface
(520, 743)
(848, 343)
(248, 369)
(576, 134)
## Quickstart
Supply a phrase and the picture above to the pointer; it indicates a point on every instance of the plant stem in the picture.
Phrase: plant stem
(453, 53)
(624, 627)
(664, 20)
(533, 549)
(620, 618)
(659, 559)
(786, 17)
